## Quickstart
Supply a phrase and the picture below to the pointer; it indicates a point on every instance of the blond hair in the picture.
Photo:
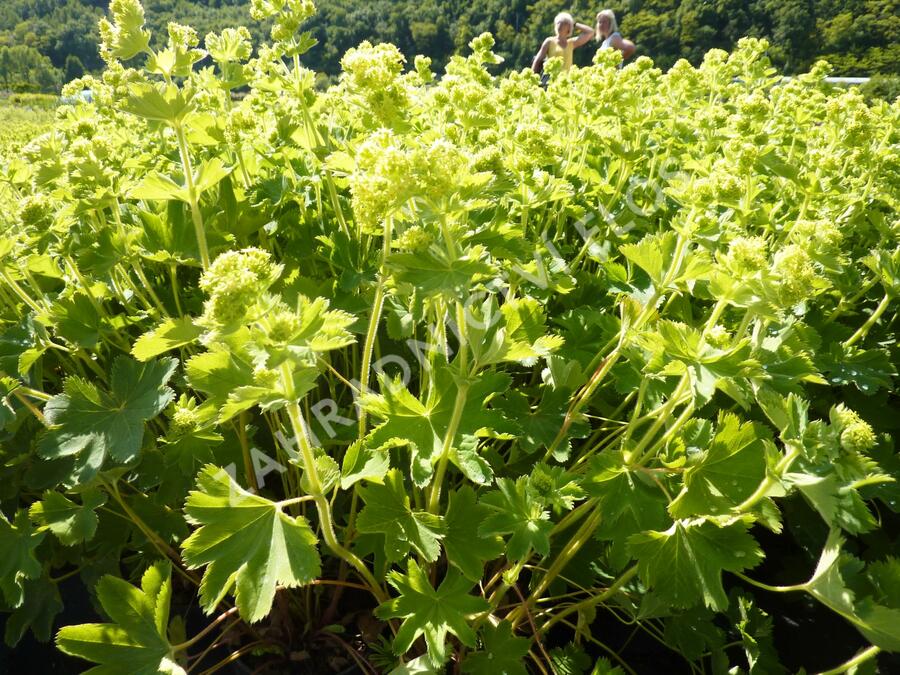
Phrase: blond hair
(613, 24)
(564, 17)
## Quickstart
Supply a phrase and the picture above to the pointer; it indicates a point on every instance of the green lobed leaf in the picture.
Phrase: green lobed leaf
(388, 512)
(654, 254)
(683, 565)
(429, 612)
(71, 523)
(18, 541)
(726, 473)
(514, 512)
(170, 334)
(423, 424)
(246, 542)
(364, 463)
(628, 500)
(91, 425)
(434, 273)
(502, 652)
(38, 611)
(136, 641)
(468, 549)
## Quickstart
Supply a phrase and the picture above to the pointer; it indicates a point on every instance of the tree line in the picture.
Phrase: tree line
(46, 42)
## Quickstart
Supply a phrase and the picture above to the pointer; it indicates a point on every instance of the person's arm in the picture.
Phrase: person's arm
(584, 36)
(538, 64)
(625, 46)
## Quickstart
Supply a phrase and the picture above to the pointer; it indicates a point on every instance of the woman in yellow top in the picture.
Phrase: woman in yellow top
(562, 44)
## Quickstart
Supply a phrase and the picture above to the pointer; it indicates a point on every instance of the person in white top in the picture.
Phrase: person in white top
(608, 35)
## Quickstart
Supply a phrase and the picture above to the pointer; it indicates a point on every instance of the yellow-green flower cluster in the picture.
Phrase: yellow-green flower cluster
(371, 76)
(235, 282)
(389, 174)
(796, 272)
(746, 256)
(380, 184)
(287, 15)
(415, 239)
(856, 434)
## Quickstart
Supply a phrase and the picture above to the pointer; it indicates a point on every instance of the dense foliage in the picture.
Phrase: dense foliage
(22, 118)
(450, 369)
(859, 37)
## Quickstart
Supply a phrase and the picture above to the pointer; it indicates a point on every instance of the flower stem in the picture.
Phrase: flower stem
(860, 658)
(623, 579)
(580, 538)
(196, 216)
(864, 329)
(323, 507)
(377, 305)
(458, 407)
(206, 631)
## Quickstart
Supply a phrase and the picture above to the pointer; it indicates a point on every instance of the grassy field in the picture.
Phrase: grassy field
(22, 117)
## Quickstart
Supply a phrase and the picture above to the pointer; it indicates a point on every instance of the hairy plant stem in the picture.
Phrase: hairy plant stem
(769, 481)
(862, 657)
(864, 329)
(846, 303)
(22, 295)
(603, 369)
(147, 531)
(456, 416)
(234, 656)
(198, 658)
(499, 592)
(772, 589)
(572, 516)
(30, 406)
(173, 275)
(592, 601)
(579, 539)
(138, 270)
(206, 631)
(252, 480)
(326, 523)
(374, 320)
(196, 216)
(637, 455)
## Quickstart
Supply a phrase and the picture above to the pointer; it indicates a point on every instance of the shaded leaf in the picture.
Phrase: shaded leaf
(18, 541)
(388, 512)
(136, 641)
(684, 564)
(90, 424)
(70, 522)
(429, 612)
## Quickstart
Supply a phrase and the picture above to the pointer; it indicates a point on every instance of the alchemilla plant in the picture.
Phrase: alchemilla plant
(447, 373)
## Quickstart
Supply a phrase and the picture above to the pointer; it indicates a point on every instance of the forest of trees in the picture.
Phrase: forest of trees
(45, 42)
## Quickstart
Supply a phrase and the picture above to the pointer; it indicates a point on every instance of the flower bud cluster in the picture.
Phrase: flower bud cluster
(287, 15)
(415, 239)
(235, 282)
(388, 174)
(371, 76)
(796, 273)
(746, 256)
(856, 434)
(183, 416)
